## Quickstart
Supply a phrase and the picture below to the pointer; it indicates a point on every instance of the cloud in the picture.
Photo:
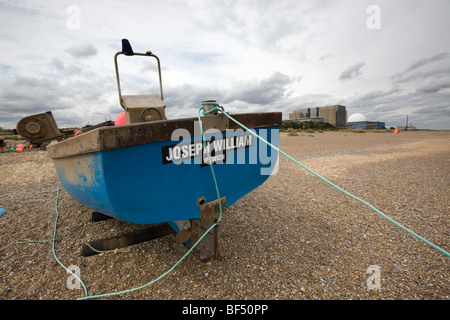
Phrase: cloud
(421, 75)
(85, 50)
(28, 94)
(424, 61)
(248, 55)
(352, 72)
(326, 57)
(427, 109)
(416, 64)
(73, 101)
(376, 96)
(66, 70)
(264, 91)
(435, 86)
(188, 96)
(265, 24)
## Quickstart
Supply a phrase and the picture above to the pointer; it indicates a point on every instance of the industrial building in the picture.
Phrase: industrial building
(359, 121)
(335, 115)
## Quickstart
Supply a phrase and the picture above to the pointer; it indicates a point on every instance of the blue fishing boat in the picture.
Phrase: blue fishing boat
(155, 170)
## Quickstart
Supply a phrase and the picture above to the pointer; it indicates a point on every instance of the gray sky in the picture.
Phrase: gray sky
(385, 59)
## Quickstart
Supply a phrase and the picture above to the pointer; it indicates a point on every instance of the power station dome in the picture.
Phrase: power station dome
(357, 117)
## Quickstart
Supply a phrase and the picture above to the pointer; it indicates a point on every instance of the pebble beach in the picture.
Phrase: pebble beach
(293, 238)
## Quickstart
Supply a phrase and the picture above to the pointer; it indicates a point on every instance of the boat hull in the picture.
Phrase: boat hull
(164, 180)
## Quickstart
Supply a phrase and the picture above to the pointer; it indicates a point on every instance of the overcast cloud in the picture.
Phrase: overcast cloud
(83, 50)
(352, 72)
(385, 59)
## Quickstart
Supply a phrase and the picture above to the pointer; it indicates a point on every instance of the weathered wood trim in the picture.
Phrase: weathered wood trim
(114, 137)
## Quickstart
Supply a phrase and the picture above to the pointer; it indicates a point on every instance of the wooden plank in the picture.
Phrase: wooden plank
(114, 137)
(111, 244)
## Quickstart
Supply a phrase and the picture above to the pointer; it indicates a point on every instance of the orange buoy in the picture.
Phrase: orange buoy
(120, 119)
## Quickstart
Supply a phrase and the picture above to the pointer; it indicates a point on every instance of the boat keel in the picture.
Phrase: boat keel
(111, 244)
(205, 250)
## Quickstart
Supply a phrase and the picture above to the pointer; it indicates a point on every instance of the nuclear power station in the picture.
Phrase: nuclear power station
(335, 115)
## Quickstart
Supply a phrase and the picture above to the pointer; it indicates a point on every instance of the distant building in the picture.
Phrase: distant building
(367, 125)
(334, 115)
(359, 121)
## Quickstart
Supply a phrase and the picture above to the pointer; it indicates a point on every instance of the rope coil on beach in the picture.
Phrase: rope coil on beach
(216, 107)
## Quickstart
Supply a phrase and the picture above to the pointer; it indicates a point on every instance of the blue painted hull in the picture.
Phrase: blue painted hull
(134, 184)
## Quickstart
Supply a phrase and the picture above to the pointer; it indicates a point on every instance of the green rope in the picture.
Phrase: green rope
(216, 105)
(192, 247)
(54, 240)
(330, 183)
(177, 263)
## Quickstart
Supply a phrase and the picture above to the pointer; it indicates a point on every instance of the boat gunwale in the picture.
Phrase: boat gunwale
(114, 137)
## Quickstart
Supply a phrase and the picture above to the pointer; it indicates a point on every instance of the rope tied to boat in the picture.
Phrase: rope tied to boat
(176, 264)
(216, 107)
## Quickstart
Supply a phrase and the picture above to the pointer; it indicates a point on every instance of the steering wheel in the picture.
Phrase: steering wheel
(150, 114)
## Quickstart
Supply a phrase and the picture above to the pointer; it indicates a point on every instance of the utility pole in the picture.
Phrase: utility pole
(406, 127)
